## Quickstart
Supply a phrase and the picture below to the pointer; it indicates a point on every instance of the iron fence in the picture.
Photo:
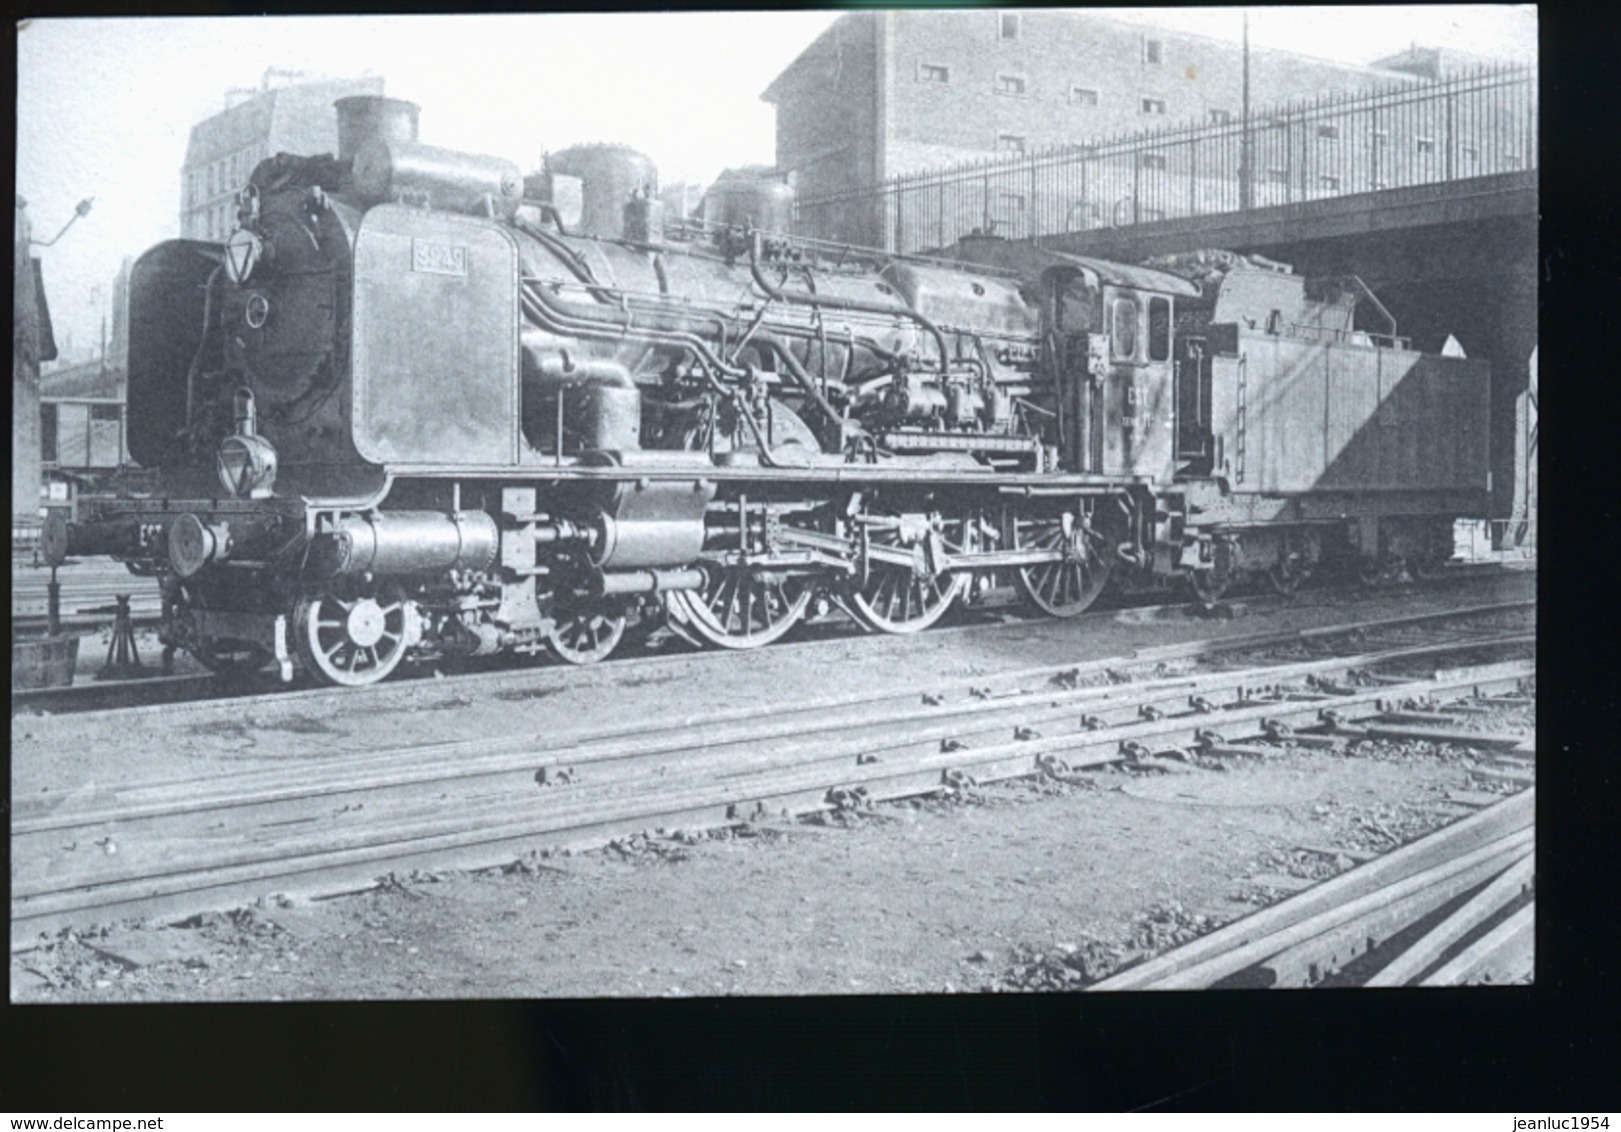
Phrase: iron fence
(1467, 125)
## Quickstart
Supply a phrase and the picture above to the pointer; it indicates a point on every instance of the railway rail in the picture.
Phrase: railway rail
(163, 848)
(170, 691)
(1455, 906)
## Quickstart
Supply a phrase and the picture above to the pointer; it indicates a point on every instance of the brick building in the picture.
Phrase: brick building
(288, 112)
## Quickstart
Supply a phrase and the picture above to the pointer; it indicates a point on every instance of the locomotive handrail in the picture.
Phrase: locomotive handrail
(1367, 293)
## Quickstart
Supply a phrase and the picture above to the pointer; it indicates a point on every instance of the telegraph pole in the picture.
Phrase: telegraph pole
(1246, 174)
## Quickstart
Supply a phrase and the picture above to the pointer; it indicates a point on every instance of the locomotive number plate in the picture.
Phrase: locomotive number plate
(438, 259)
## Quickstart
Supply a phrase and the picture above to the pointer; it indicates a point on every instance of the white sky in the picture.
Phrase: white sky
(104, 106)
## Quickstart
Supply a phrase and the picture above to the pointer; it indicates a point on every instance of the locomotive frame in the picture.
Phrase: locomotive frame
(419, 405)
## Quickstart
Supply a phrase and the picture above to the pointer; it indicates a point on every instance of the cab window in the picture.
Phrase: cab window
(1123, 328)
(1159, 330)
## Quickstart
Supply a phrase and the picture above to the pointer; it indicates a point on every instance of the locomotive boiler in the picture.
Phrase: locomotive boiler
(420, 405)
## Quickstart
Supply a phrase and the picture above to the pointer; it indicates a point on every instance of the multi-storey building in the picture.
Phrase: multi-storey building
(882, 95)
(289, 112)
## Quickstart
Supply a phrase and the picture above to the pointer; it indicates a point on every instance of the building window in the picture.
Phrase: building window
(1007, 25)
(1328, 132)
(1221, 117)
(1153, 51)
(1152, 161)
(1426, 145)
(1010, 84)
(933, 73)
(1328, 181)
(1153, 106)
(1009, 143)
(1083, 96)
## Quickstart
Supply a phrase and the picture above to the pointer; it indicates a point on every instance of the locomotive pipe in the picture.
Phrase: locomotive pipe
(651, 581)
(560, 317)
(805, 299)
(407, 542)
(801, 375)
(563, 369)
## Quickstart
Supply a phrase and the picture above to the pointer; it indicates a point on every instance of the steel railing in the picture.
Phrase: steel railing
(1471, 124)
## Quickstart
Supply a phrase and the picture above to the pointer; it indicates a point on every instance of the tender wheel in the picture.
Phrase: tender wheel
(1286, 577)
(899, 599)
(1299, 557)
(1375, 571)
(353, 636)
(738, 608)
(1070, 585)
(585, 634)
(1429, 564)
(1209, 586)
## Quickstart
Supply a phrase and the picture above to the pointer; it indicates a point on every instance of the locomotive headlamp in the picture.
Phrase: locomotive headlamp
(246, 461)
(242, 254)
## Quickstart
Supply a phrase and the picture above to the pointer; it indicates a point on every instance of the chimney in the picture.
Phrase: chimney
(362, 117)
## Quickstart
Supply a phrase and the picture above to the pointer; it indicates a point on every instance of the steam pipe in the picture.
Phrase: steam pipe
(802, 376)
(803, 299)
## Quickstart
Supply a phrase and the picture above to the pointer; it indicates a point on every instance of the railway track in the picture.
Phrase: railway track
(87, 602)
(169, 692)
(174, 847)
(1453, 907)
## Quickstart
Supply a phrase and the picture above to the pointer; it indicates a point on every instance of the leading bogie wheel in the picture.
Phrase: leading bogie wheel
(355, 634)
(230, 658)
(585, 634)
(220, 656)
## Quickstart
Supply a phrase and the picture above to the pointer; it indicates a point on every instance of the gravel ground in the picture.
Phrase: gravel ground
(1021, 886)
(1015, 887)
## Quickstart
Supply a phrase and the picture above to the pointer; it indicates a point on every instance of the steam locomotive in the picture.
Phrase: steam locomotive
(419, 405)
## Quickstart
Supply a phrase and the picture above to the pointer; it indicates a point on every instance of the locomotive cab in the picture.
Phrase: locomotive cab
(1108, 332)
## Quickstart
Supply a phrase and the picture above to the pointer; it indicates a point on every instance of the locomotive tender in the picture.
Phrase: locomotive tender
(419, 405)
